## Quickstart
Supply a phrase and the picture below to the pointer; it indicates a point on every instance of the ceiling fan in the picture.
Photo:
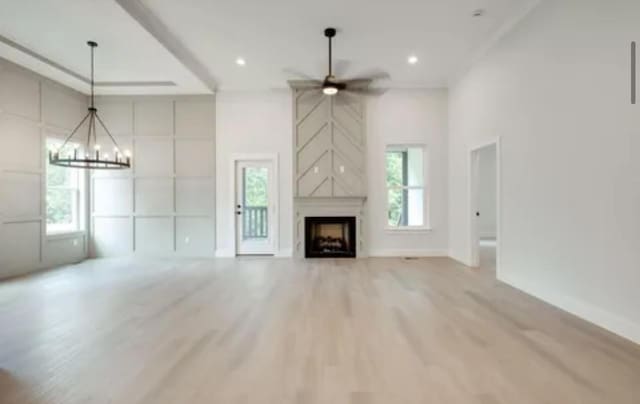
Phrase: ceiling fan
(331, 85)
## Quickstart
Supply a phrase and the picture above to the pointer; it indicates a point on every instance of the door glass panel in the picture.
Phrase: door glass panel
(255, 213)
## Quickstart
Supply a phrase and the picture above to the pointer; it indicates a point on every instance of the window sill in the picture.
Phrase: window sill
(408, 229)
(58, 235)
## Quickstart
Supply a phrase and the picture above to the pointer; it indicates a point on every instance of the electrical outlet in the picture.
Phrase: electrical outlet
(342, 169)
(316, 170)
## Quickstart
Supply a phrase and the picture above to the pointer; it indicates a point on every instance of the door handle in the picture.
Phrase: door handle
(239, 212)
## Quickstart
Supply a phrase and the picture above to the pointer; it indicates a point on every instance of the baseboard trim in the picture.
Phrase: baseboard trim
(408, 253)
(225, 253)
(284, 252)
(463, 261)
(595, 315)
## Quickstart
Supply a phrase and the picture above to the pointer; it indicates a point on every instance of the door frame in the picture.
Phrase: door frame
(474, 237)
(273, 158)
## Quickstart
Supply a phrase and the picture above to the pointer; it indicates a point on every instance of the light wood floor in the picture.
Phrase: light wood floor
(259, 330)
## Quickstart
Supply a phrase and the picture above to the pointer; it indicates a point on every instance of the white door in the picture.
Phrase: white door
(255, 207)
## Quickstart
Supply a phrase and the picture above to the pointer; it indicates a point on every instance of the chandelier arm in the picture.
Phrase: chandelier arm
(89, 132)
(93, 124)
(107, 130)
(74, 131)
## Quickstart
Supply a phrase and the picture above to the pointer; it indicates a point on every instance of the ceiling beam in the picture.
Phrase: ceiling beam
(152, 24)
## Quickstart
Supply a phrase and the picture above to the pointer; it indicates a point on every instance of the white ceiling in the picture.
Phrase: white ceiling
(272, 35)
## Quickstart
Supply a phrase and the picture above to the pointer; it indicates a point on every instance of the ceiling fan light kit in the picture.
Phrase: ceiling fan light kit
(329, 89)
(91, 157)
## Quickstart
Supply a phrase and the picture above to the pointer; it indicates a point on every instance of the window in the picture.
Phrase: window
(405, 186)
(64, 192)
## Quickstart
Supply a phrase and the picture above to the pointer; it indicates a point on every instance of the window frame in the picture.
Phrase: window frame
(79, 193)
(426, 222)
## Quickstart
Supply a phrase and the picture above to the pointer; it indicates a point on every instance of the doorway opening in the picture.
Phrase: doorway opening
(255, 207)
(485, 206)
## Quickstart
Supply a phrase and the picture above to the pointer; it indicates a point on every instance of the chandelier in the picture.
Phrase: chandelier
(90, 157)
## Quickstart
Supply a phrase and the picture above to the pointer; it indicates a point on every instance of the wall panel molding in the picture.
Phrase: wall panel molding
(30, 110)
(170, 209)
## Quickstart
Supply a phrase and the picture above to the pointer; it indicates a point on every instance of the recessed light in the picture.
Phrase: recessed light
(241, 62)
(478, 13)
(412, 60)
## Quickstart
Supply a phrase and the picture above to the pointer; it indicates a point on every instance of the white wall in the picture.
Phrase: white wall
(31, 109)
(487, 186)
(261, 122)
(164, 205)
(253, 123)
(408, 117)
(556, 90)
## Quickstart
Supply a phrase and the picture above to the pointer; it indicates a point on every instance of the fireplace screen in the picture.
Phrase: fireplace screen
(330, 237)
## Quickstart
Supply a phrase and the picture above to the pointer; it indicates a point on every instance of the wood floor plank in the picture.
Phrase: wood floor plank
(265, 330)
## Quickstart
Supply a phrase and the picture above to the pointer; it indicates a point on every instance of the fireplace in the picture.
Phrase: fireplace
(330, 237)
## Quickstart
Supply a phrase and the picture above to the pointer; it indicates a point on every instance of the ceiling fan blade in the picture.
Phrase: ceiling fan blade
(305, 84)
(355, 84)
(372, 75)
(376, 91)
(298, 75)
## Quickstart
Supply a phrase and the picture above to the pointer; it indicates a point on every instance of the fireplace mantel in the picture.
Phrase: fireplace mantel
(357, 201)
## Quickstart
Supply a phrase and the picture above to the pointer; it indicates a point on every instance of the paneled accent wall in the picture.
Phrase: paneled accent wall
(329, 162)
(329, 144)
(31, 109)
(165, 204)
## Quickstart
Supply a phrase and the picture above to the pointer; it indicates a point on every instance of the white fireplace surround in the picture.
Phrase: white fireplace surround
(329, 207)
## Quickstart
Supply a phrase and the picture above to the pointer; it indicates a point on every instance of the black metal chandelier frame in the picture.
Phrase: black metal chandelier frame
(87, 160)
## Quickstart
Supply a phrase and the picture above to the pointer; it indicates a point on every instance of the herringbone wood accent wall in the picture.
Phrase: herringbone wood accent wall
(329, 144)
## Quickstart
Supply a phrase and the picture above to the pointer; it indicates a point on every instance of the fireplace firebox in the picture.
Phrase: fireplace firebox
(330, 237)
